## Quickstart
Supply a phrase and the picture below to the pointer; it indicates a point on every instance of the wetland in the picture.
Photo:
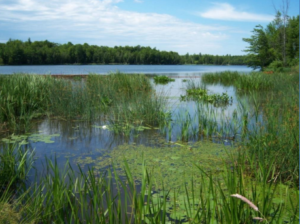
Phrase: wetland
(125, 148)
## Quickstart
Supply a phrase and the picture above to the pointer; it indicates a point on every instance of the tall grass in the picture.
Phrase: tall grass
(127, 97)
(252, 81)
(23, 97)
(15, 163)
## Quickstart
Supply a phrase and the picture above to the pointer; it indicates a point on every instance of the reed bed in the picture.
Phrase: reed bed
(127, 97)
(132, 98)
(255, 81)
(243, 82)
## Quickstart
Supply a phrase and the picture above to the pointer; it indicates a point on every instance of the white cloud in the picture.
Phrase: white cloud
(225, 11)
(103, 23)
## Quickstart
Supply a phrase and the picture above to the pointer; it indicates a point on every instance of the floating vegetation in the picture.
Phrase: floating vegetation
(27, 138)
(162, 79)
(173, 164)
(201, 94)
(123, 128)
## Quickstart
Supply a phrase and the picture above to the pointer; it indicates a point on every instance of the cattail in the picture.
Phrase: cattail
(246, 201)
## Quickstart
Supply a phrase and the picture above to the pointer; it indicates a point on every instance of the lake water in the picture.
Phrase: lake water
(105, 69)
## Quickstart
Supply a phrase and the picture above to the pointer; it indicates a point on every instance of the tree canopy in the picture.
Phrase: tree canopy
(278, 42)
(16, 52)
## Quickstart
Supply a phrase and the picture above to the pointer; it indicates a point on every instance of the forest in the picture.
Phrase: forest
(17, 52)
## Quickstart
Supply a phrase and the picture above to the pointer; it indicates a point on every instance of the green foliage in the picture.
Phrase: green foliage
(276, 64)
(293, 39)
(16, 52)
(279, 41)
(207, 59)
(260, 55)
(162, 79)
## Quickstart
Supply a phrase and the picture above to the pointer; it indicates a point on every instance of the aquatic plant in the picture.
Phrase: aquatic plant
(242, 82)
(201, 94)
(162, 79)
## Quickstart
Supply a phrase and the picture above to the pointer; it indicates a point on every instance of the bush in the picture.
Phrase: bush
(294, 62)
(276, 64)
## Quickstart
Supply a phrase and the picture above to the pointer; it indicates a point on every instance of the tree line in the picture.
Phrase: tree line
(17, 52)
(276, 45)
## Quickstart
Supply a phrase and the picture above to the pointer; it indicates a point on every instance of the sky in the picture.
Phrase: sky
(184, 26)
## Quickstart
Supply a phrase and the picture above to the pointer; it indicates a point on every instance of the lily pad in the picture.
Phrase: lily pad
(26, 139)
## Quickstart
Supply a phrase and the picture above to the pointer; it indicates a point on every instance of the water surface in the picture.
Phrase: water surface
(105, 69)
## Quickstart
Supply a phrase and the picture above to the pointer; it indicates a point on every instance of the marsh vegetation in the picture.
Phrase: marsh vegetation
(183, 162)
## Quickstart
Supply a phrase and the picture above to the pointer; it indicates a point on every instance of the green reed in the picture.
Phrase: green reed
(22, 98)
(252, 81)
(128, 97)
(15, 163)
(257, 81)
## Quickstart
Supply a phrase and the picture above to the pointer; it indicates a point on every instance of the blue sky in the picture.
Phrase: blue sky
(183, 26)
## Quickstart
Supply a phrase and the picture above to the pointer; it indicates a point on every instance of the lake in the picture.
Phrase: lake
(105, 69)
